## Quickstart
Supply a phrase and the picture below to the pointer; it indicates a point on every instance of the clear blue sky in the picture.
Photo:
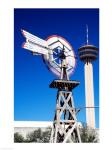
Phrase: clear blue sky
(33, 99)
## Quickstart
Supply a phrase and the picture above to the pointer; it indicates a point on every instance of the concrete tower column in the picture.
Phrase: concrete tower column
(89, 94)
(88, 54)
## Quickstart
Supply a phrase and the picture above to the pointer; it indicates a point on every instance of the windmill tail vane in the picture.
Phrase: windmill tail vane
(35, 44)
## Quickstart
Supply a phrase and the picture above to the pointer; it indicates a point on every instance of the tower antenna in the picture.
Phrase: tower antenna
(86, 34)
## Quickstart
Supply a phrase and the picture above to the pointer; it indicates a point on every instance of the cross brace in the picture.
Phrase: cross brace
(65, 125)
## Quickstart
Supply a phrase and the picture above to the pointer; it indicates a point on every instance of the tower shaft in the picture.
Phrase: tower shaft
(89, 93)
(88, 54)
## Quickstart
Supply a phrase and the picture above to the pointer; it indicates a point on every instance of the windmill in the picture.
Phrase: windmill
(60, 58)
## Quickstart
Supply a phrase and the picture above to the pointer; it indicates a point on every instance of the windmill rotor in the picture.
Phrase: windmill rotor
(59, 45)
(51, 50)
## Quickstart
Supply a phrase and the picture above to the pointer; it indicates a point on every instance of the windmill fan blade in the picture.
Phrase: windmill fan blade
(35, 48)
(56, 45)
(64, 46)
(56, 58)
(70, 56)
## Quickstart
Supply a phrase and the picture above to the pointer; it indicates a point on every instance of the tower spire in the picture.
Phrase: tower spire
(86, 34)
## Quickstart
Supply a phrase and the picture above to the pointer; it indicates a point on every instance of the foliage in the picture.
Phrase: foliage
(18, 138)
(35, 136)
(46, 135)
(88, 135)
(40, 135)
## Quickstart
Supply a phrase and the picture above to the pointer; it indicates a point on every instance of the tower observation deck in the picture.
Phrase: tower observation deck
(88, 53)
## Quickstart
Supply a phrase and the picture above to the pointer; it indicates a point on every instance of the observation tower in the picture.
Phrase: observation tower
(88, 53)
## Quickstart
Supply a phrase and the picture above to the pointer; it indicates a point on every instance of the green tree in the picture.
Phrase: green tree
(88, 135)
(18, 138)
(46, 135)
(35, 136)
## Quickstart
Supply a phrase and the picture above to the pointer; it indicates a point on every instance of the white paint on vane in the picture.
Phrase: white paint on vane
(32, 38)
(35, 44)
(35, 48)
